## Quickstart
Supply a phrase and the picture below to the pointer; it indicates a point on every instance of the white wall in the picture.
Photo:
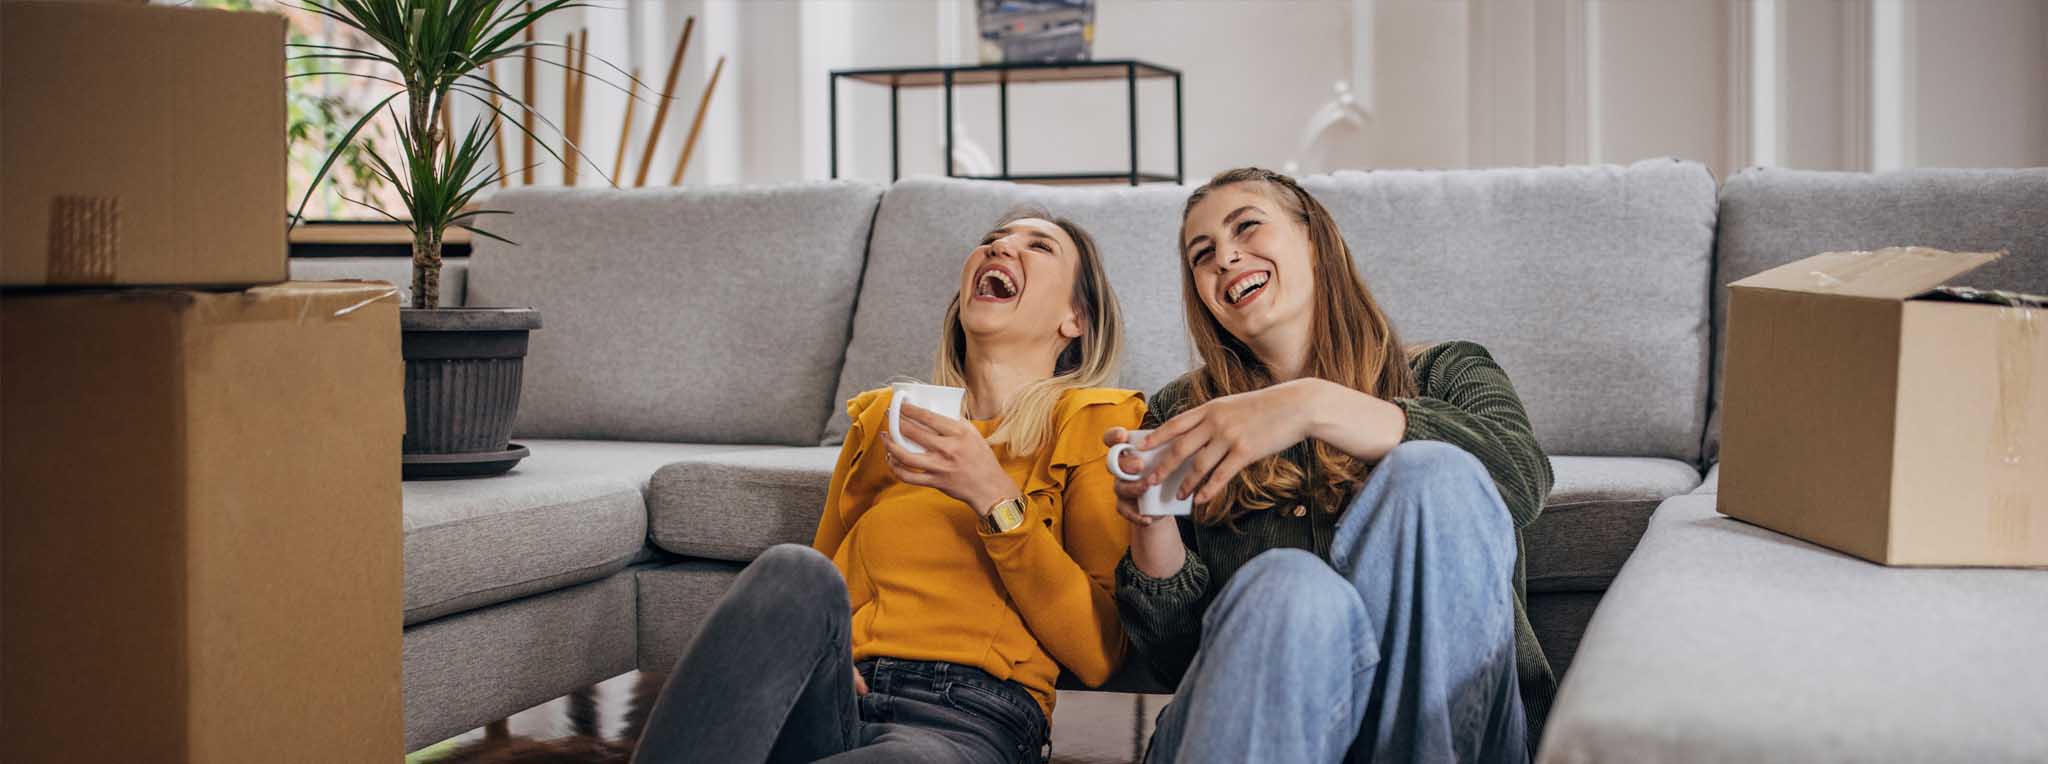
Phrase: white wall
(1981, 80)
(1824, 84)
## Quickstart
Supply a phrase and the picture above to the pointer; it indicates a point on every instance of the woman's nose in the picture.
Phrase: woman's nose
(1002, 247)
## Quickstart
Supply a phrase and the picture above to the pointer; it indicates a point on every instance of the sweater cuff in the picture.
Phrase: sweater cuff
(1184, 584)
(1417, 420)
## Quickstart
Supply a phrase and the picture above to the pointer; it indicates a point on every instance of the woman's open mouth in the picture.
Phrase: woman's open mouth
(995, 283)
(1245, 288)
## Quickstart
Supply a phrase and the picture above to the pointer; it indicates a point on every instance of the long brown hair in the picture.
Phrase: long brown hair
(1352, 343)
(1088, 361)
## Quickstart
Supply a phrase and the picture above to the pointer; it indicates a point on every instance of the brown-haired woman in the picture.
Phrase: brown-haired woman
(1348, 582)
(946, 586)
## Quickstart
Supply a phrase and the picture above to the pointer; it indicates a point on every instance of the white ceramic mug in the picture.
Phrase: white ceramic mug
(945, 401)
(1159, 500)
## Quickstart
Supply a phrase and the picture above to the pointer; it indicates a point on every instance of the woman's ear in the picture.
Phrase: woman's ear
(1070, 327)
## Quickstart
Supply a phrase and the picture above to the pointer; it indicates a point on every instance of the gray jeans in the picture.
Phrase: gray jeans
(770, 679)
(1401, 648)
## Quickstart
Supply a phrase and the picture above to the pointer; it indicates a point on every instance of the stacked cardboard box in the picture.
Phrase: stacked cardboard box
(200, 543)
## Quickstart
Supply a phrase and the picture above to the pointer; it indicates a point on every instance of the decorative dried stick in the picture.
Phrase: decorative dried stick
(526, 97)
(668, 90)
(497, 137)
(582, 83)
(626, 126)
(569, 110)
(690, 144)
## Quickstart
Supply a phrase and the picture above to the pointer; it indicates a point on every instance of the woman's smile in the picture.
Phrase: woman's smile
(996, 282)
(1241, 291)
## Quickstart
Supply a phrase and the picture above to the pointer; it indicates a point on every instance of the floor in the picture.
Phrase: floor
(1088, 727)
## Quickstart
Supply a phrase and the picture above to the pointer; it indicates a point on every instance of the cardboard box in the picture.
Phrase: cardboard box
(200, 545)
(1869, 413)
(141, 145)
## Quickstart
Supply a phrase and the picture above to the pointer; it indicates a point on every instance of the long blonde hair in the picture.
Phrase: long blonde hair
(1087, 361)
(1352, 343)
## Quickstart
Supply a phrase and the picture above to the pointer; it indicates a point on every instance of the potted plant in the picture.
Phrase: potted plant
(463, 365)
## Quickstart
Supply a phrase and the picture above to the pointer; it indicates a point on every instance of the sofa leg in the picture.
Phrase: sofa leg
(582, 712)
(646, 688)
(498, 730)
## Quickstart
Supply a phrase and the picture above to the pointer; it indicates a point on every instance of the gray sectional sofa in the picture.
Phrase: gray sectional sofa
(684, 400)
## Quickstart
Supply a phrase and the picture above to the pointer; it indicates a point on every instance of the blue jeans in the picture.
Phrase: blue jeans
(1401, 648)
(770, 679)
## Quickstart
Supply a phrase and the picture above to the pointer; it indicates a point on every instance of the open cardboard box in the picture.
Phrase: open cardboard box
(1870, 412)
(200, 525)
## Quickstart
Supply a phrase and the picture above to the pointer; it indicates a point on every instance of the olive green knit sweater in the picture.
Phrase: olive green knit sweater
(1464, 399)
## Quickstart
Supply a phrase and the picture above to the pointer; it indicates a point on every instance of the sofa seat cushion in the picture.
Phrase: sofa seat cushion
(574, 511)
(733, 506)
(1597, 509)
(1722, 641)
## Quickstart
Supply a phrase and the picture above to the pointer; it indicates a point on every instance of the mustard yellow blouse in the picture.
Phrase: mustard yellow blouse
(928, 584)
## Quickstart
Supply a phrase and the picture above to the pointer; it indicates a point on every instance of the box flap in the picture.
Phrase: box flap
(1893, 273)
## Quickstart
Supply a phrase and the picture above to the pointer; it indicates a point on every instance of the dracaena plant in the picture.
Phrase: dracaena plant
(435, 50)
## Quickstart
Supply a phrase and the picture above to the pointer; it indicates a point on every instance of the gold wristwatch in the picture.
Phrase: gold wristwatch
(1007, 515)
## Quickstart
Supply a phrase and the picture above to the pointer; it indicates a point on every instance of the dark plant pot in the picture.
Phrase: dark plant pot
(462, 376)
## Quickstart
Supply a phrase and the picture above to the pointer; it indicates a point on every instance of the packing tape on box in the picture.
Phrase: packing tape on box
(2018, 325)
(85, 239)
(1860, 263)
(392, 292)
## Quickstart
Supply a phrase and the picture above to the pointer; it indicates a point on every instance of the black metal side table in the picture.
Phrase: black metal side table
(1001, 76)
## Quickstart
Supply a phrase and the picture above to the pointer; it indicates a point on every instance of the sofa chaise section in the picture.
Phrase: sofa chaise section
(572, 512)
(1725, 642)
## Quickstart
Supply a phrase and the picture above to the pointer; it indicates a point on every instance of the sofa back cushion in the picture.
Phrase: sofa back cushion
(926, 227)
(1770, 217)
(706, 316)
(1588, 284)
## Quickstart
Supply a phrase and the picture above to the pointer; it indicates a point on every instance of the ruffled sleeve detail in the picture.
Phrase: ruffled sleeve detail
(1083, 416)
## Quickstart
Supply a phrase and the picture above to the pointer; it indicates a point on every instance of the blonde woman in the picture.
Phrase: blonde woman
(945, 589)
(1349, 584)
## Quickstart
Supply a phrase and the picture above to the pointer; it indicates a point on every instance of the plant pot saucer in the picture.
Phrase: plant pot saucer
(473, 464)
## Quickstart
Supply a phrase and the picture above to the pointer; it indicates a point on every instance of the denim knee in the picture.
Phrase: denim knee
(1288, 597)
(1420, 458)
(1441, 470)
(801, 576)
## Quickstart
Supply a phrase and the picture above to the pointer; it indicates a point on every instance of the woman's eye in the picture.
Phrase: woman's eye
(1246, 226)
(1201, 255)
(1042, 247)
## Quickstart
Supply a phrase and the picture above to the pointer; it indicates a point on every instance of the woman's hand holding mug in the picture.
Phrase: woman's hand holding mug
(1156, 546)
(957, 460)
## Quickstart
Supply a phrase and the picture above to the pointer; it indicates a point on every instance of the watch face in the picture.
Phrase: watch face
(1007, 516)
